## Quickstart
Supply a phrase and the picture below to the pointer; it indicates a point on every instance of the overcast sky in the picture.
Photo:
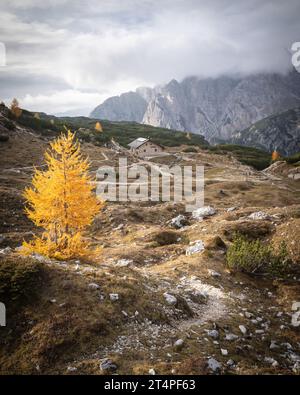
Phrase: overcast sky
(70, 55)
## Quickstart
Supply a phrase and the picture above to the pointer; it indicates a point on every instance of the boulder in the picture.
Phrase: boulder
(203, 212)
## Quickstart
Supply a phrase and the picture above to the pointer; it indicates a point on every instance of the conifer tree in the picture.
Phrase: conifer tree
(61, 201)
(98, 127)
(275, 156)
(15, 109)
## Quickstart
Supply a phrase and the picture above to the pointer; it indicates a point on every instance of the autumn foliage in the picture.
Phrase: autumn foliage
(98, 127)
(15, 108)
(61, 201)
(275, 156)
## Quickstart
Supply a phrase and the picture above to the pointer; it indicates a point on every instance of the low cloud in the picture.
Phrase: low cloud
(85, 52)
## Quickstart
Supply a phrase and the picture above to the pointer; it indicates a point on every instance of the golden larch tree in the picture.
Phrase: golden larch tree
(15, 108)
(188, 136)
(275, 156)
(61, 201)
(98, 127)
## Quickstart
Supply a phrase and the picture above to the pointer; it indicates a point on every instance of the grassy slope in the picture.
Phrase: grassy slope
(255, 157)
(124, 132)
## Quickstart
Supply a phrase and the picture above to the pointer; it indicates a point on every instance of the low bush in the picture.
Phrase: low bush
(253, 256)
(18, 279)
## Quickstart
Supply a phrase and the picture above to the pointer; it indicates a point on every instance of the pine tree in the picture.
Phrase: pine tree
(15, 109)
(98, 127)
(61, 201)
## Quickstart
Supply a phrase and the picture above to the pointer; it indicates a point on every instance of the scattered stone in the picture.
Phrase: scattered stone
(197, 246)
(41, 258)
(5, 251)
(213, 333)
(71, 369)
(124, 313)
(114, 297)
(124, 262)
(108, 365)
(230, 363)
(243, 329)
(248, 315)
(203, 212)
(273, 345)
(231, 337)
(94, 286)
(152, 372)
(179, 344)
(121, 226)
(214, 365)
(179, 221)
(259, 331)
(259, 215)
(224, 352)
(231, 209)
(170, 299)
(213, 273)
(271, 361)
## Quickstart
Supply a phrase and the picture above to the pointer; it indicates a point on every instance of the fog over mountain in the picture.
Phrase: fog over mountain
(65, 55)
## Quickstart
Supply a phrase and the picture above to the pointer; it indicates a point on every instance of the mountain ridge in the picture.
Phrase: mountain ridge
(213, 107)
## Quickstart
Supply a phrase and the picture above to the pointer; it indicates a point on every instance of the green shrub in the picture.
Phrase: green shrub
(18, 279)
(190, 149)
(252, 256)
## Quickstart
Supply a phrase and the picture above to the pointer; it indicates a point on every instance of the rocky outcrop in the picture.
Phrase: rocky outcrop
(129, 106)
(280, 132)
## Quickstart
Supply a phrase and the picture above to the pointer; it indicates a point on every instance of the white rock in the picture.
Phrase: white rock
(124, 262)
(243, 329)
(94, 286)
(271, 361)
(114, 297)
(170, 299)
(179, 344)
(214, 365)
(231, 337)
(203, 212)
(224, 352)
(5, 251)
(213, 273)
(273, 345)
(231, 209)
(230, 363)
(71, 369)
(259, 331)
(213, 333)
(152, 372)
(197, 246)
(259, 215)
(179, 221)
(248, 315)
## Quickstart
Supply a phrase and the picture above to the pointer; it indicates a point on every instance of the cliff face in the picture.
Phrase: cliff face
(215, 108)
(129, 106)
(280, 131)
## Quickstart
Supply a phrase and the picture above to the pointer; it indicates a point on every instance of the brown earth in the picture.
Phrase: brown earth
(58, 323)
